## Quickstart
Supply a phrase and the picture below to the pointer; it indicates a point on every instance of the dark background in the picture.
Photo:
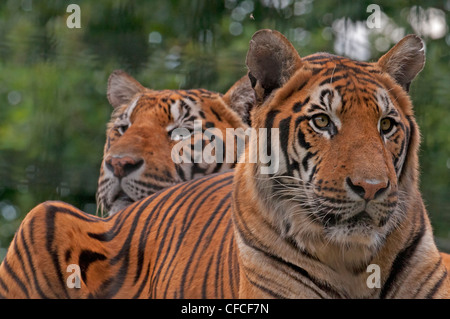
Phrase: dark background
(53, 106)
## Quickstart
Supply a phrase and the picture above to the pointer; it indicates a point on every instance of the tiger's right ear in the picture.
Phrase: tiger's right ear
(122, 87)
(271, 61)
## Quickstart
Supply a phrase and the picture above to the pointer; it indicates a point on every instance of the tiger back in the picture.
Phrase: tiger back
(343, 197)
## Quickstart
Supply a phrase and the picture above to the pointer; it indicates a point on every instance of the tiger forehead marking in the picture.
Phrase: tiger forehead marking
(170, 108)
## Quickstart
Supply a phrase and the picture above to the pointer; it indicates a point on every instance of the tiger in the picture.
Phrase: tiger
(343, 200)
(142, 133)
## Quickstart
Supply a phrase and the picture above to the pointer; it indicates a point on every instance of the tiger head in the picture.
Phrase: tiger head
(142, 133)
(348, 141)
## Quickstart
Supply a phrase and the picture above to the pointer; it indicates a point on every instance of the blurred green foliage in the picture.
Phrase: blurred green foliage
(53, 106)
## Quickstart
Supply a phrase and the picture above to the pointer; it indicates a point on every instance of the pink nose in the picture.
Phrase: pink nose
(368, 189)
(122, 166)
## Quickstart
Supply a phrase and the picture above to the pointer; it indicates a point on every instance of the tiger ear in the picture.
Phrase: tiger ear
(122, 87)
(241, 98)
(405, 60)
(271, 61)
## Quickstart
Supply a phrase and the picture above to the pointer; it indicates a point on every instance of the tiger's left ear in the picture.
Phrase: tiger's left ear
(405, 60)
(271, 61)
(122, 87)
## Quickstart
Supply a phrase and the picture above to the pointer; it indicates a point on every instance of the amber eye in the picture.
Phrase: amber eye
(386, 125)
(321, 121)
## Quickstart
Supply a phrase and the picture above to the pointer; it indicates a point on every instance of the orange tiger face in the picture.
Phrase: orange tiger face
(345, 130)
(142, 134)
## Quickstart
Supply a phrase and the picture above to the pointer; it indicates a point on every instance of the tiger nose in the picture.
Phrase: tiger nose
(368, 189)
(122, 166)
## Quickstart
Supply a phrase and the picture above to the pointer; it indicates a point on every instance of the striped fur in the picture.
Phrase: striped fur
(137, 154)
(304, 231)
(113, 253)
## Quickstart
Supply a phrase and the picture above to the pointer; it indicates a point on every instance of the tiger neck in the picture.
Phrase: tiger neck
(264, 249)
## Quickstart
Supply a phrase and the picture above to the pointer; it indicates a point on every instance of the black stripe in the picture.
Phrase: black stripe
(220, 263)
(111, 286)
(409, 138)
(32, 266)
(364, 79)
(216, 115)
(180, 172)
(202, 233)
(124, 251)
(333, 79)
(265, 289)
(402, 260)
(185, 195)
(313, 171)
(225, 204)
(300, 134)
(302, 85)
(189, 217)
(430, 274)
(324, 93)
(3, 285)
(209, 125)
(120, 221)
(152, 187)
(270, 118)
(19, 255)
(67, 255)
(315, 107)
(31, 230)
(437, 285)
(50, 216)
(314, 58)
(284, 141)
(15, 278)
(299, 105)
(143, 283)
(306, 159)
(86, 258)
(233, 266)
(205, 279)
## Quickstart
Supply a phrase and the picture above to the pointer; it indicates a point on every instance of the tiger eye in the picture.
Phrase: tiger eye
(386, 125)
(321, 120)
